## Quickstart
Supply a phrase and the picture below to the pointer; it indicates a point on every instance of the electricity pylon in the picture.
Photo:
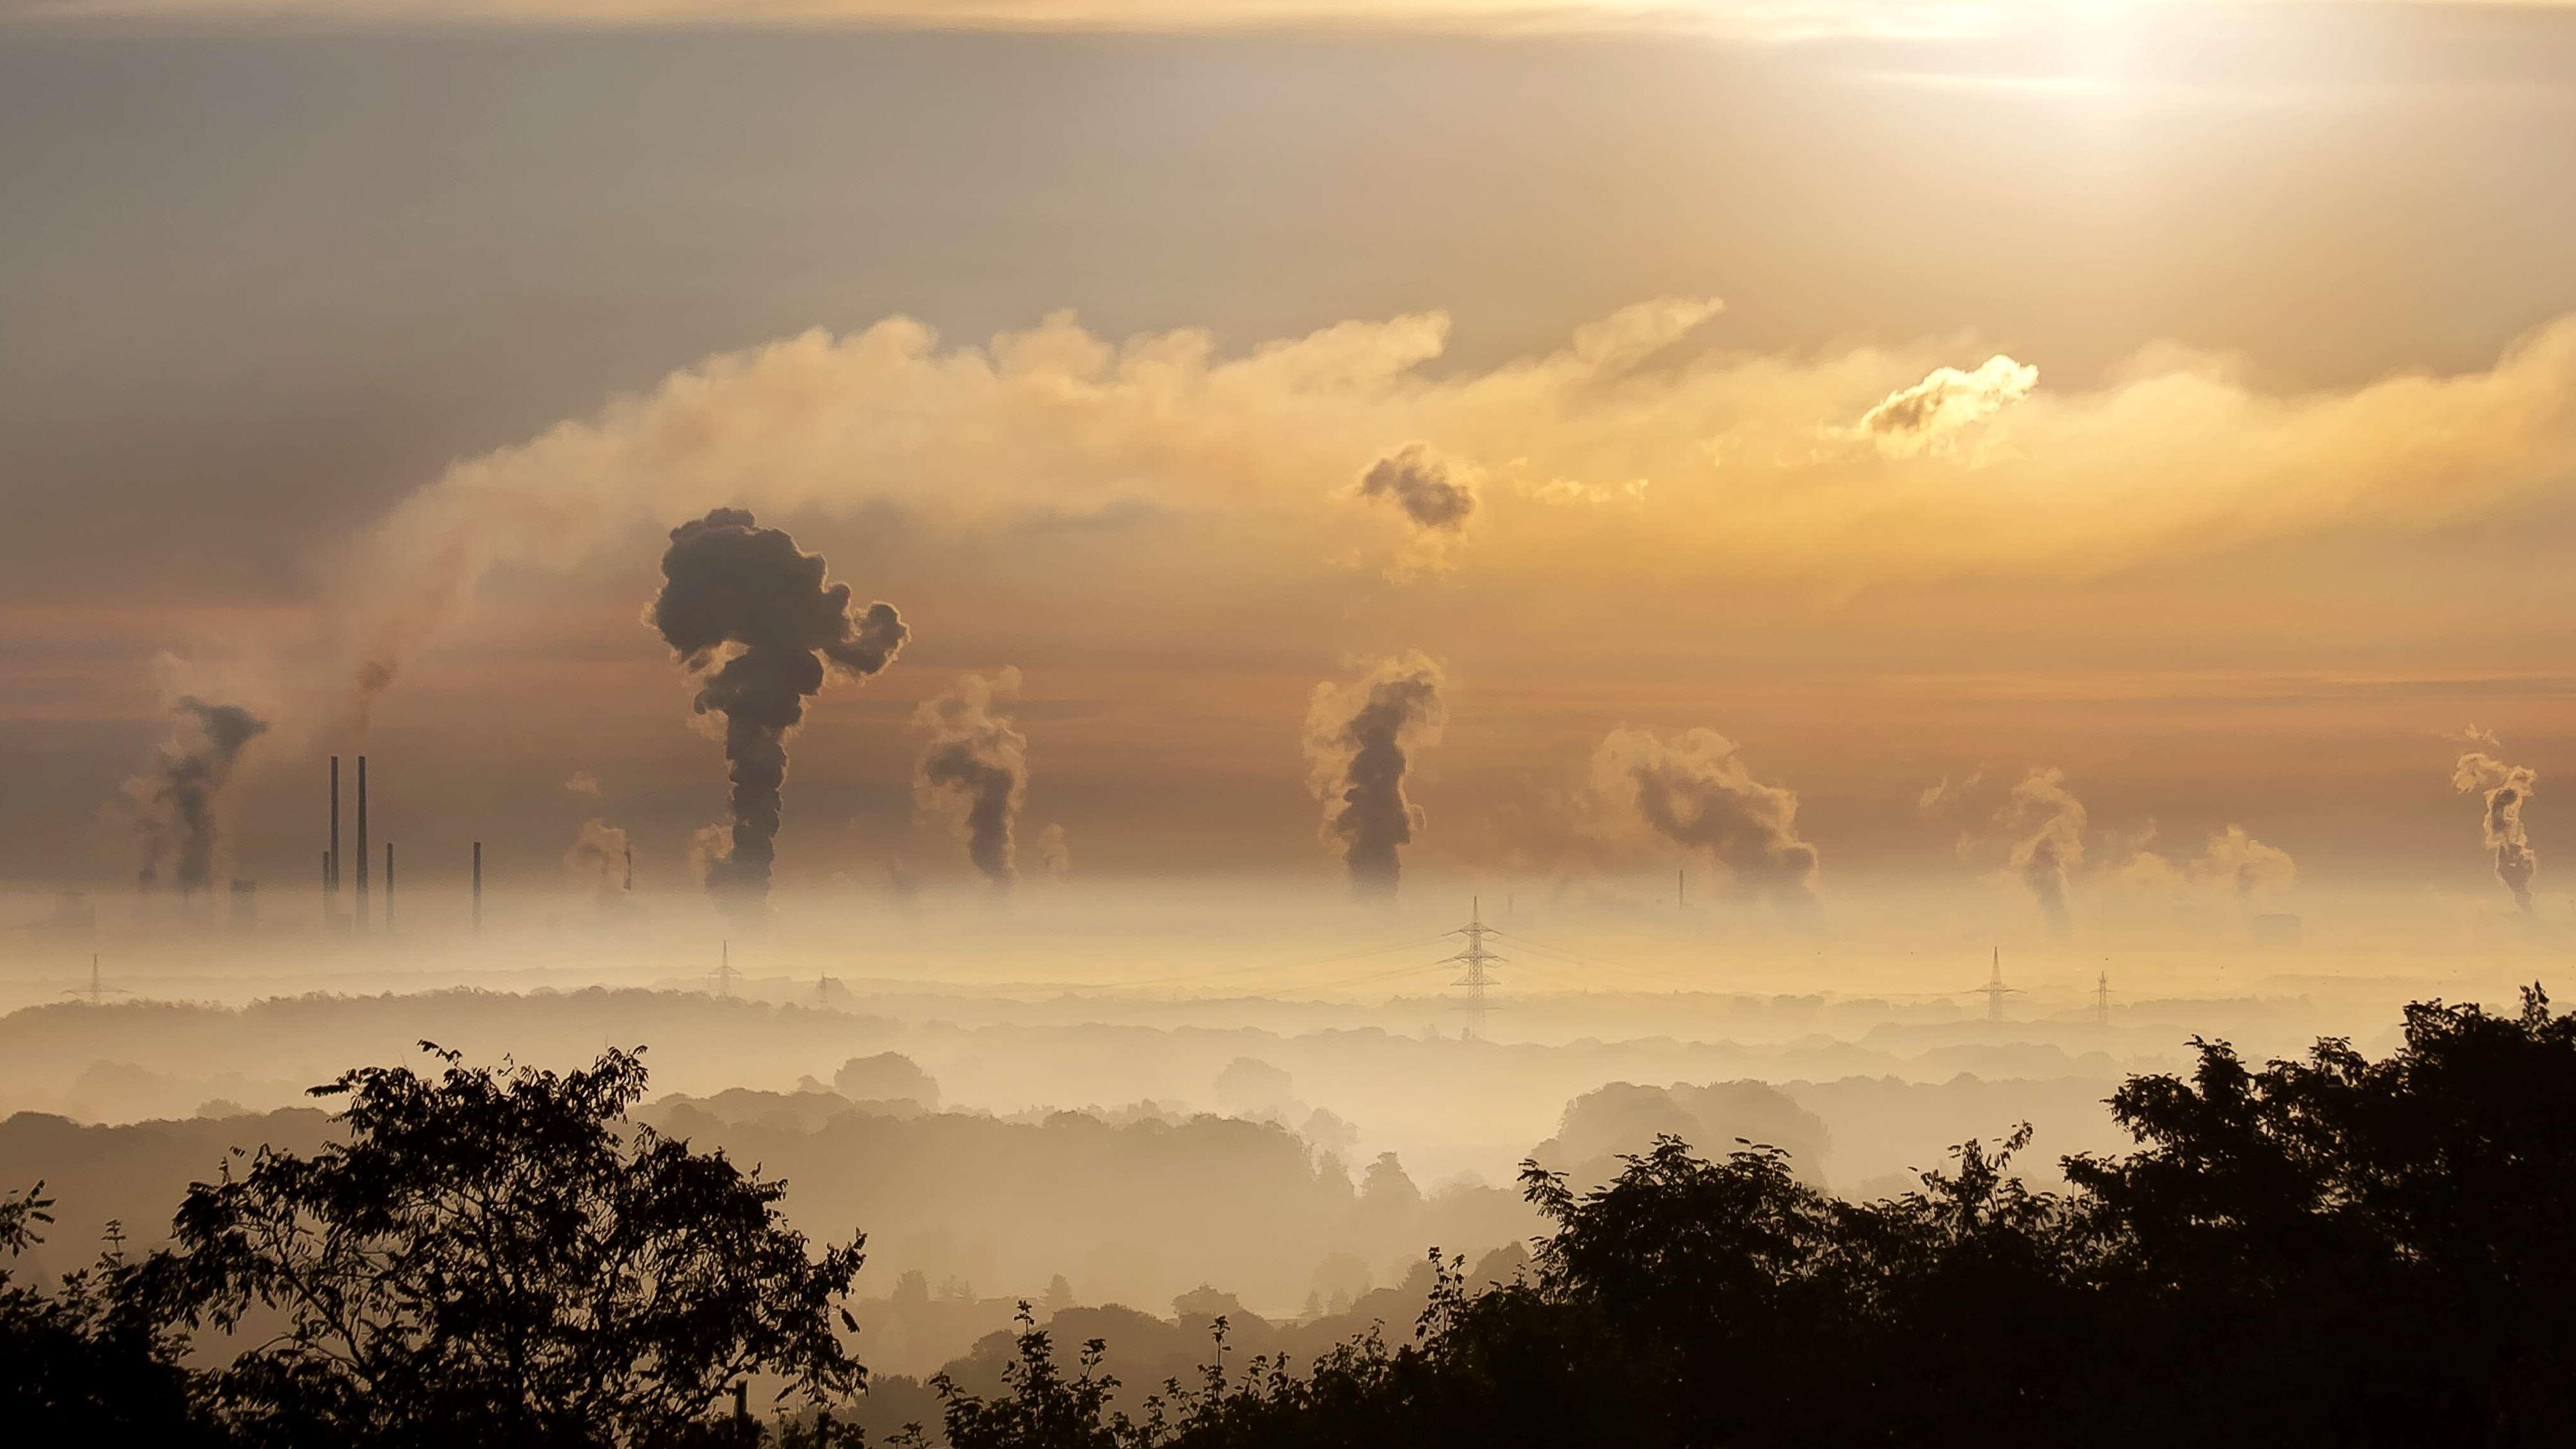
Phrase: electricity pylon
(1475, 958)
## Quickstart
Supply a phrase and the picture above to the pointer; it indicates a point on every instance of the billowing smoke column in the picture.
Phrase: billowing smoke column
(2506, 787)
(729, 582)
(1695, 791)
(2046, 824)
(1357, 739)
(187, 781)
(975, 770)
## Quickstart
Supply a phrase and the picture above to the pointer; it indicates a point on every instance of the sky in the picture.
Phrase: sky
(1820, 445)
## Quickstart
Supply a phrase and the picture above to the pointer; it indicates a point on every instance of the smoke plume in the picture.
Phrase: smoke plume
(177, 824)
(1358, 738)
(1695, 791)
(1436, 495)
(2232, 864)
(2506, 788)
(2046, 825)
(975, 770)
(1055, 855)
(729, 582)
(598, 854)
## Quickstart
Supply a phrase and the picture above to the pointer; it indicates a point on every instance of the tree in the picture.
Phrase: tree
(88, 1361)
(499, 1256)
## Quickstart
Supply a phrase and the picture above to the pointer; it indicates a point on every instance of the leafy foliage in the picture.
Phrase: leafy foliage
(2330, 1251)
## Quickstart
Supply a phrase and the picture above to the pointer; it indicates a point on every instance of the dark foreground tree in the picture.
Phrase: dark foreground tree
(500, 1257)
(88, 1362)
(2323, 1252)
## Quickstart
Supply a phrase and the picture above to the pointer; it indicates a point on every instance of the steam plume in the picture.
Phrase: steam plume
(1358, 736)
(728, 581)
(1695, 791)
(2506, 787)
(176, 824)
(2046, 823)
(975, 770)
(1055, 855)
(598, 853)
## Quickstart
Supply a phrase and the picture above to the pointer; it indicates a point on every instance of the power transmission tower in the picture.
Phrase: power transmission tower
(1475, 958)
(97, 992)
(1994, 991)
(724, 975)
(2102, 999)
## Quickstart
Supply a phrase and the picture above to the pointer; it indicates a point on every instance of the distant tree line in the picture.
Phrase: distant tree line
(2331, 1250)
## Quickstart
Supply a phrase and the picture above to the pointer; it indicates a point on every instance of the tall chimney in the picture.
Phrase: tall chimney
(331, 862)
(358, 914)
(478, 888)
(389, 887)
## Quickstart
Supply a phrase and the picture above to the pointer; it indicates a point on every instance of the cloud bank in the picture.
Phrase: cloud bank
(1729, 465)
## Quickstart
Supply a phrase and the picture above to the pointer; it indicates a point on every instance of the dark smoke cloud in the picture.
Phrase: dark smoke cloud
(729, 582)
(1696, 792)
(975, 770)
(1433, 492)
(1357, 739)
(2506, 788)
(1437, 497)
(179, 797)
(2045, 823)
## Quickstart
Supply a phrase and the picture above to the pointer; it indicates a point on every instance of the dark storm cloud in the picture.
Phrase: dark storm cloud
(730, 584)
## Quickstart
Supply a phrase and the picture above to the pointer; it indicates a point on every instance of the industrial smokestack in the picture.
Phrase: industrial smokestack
(1358, 739)
(180, 795)
(389, 887)
(331, 860)
(975, 770)
(358, 914)
(478, 888)
(726, 580)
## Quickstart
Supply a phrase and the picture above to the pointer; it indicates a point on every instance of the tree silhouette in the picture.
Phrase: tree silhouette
(500, 1256)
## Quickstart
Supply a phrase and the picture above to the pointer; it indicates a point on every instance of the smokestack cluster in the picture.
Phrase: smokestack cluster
(1358, 739)
(178, 825)
(975, 770)
(729, 582)
(2506, 787)
(2046, 824)
(1695, 791)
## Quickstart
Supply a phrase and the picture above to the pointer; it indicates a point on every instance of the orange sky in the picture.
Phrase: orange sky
(2200, 422)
